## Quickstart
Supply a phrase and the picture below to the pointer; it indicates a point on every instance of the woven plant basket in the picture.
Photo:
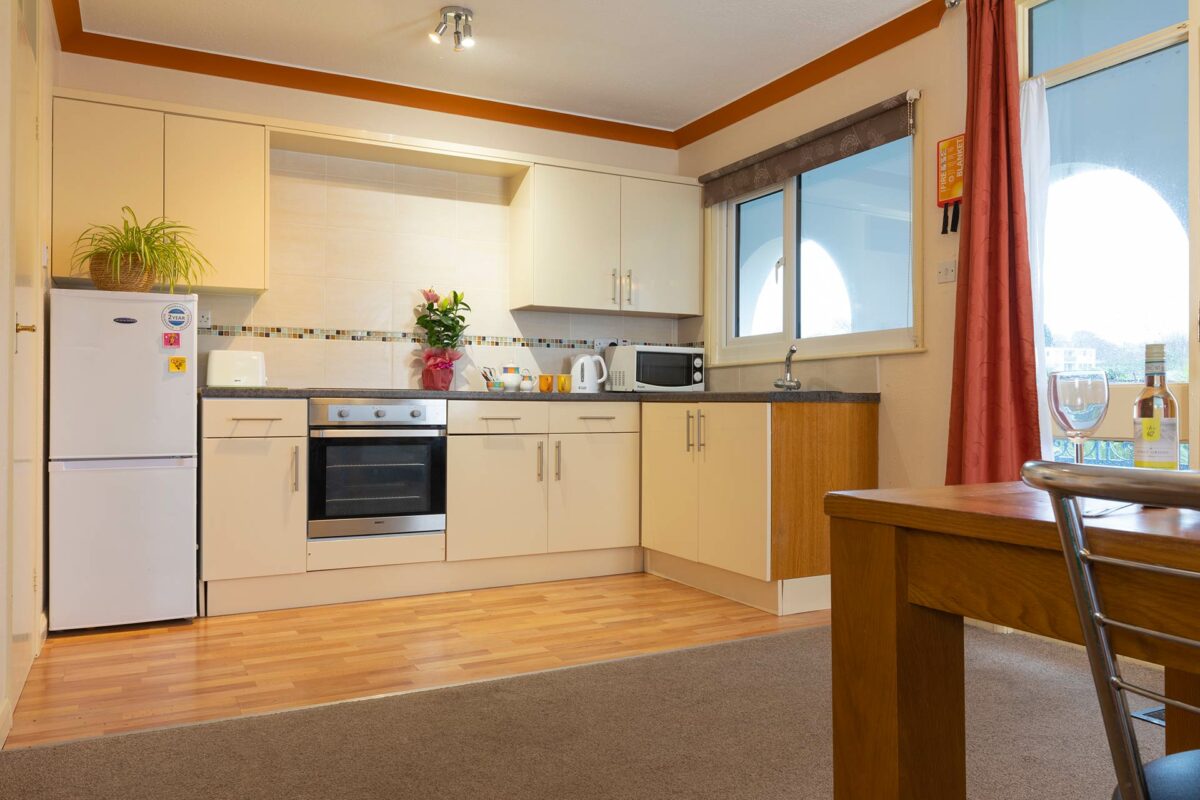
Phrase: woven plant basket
(134, 275)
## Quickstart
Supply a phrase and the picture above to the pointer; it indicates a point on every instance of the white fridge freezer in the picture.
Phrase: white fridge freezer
(122, 482)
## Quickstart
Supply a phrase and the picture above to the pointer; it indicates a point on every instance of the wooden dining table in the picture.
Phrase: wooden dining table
(909, 564)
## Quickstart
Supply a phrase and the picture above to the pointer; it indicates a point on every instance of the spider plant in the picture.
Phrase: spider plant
(161, 247)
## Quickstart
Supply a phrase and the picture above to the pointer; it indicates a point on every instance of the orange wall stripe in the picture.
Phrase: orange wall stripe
(74, 39)
(908, 26)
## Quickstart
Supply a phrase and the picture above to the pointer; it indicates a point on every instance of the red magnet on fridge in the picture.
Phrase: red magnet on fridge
(171, 341)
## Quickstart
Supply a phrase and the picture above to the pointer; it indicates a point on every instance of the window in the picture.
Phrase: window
(1116, 270)
(824, 260)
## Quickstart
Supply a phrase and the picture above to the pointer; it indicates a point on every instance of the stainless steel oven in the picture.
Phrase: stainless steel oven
(376, 466)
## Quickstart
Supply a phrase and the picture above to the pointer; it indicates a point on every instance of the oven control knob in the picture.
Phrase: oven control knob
(697, 362)
(696, 376)
(380, 413)
(343, 413)
(416, 412)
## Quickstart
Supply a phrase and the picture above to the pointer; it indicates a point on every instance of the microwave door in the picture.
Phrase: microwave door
(665, 371)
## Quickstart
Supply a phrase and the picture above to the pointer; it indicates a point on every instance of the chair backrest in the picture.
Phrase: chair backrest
(1065, 483)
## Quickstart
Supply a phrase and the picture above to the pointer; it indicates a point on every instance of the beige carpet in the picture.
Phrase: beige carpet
(747, 719)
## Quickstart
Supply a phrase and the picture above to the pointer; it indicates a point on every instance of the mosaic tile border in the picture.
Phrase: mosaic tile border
(405, 337)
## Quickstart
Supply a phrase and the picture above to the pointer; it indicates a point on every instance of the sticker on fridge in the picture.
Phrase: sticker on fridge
(177, 317)
(177, 364)
(171, 341)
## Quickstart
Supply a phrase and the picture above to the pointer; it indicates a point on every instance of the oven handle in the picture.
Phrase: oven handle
(376, 433)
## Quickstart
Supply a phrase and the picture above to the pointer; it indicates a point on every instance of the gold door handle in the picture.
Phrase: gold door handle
(26, 328)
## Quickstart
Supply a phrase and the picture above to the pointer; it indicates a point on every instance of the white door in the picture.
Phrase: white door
(117, 387)
(576, 238)
(660, 247)
(595, 483)
(669, 484)
(495, 496)
(122, 541)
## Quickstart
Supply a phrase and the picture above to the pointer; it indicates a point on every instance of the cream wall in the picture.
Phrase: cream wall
(914, 415)
(353, 242)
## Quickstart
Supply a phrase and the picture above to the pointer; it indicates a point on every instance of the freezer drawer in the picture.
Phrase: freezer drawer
(122, 541)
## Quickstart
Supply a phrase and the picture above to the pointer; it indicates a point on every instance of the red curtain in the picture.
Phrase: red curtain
(994, 407)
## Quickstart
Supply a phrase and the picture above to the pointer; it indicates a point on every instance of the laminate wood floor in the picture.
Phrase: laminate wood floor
(149, 676)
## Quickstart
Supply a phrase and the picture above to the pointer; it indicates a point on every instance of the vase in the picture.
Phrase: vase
(437, 379)
(134, 277)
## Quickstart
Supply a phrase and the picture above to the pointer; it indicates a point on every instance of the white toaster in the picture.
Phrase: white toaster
(237, 368)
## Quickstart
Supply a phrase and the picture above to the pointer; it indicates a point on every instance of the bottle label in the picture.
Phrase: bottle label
(1156, 443)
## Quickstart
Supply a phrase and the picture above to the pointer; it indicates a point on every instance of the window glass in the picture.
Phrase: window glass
(855, 239)
(1063, 31)
(1116, 242)
(760, 265)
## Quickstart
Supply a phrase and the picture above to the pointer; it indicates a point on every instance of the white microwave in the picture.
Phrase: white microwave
(643, 368)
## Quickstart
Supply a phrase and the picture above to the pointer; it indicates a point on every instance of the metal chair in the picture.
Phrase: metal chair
(1174, 777)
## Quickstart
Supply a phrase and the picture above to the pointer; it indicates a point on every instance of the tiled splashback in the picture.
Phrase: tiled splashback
(352, 244)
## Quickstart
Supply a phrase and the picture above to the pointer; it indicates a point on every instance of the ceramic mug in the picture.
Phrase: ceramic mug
(546, 384)
(564, 384)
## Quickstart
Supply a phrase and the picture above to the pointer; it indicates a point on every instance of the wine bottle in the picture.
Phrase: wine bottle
(1156, 416)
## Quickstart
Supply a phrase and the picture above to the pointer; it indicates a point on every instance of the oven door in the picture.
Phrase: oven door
(666, 371)
(373, 481)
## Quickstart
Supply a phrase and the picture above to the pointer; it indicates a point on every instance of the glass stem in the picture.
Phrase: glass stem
(1079, 451)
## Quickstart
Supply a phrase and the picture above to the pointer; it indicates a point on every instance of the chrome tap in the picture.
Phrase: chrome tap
(787, 382)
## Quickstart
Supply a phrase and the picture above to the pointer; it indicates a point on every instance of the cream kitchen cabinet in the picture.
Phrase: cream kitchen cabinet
(105, 157)
(208, 174)
(254, 516)
(707, 486)
(495, 496)
(594, 490)
(526, 477)
(595, 241)
(660, 247)
(215, 180)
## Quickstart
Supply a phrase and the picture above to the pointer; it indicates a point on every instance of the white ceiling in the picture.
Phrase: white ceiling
(660, 63)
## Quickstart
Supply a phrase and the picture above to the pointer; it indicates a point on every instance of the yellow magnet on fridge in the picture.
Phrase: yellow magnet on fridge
(177, 364)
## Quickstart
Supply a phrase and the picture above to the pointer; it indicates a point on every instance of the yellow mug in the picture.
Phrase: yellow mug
(545, 384)
(564, 383)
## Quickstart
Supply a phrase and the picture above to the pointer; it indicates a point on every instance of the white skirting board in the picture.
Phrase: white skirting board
(792, 596)
(405, 580)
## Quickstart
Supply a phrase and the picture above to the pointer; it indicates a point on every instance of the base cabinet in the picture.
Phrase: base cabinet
(495, 496)
(707, 484)
(254, 516)
(594, 490)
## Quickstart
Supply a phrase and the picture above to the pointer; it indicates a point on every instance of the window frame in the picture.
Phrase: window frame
(1121, 396)
(721, 267)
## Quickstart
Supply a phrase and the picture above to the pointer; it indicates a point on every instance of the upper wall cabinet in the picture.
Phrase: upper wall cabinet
(208, 174)
(216, 182)
(105, 157)
(592, 241)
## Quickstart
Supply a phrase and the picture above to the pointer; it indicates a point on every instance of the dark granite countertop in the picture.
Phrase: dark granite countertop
(634, 397)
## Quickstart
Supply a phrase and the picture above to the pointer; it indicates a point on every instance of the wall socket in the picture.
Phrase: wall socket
(600, 345)
(205, 319)
(948, 271)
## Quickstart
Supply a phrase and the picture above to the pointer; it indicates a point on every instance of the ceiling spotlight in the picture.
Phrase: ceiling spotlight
(462, 17)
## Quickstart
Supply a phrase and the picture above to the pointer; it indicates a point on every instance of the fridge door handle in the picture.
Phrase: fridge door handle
(83, 465)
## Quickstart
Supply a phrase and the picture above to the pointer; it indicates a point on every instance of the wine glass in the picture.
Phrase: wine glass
(1078, 403)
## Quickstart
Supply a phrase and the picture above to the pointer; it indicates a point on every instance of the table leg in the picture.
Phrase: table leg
(899, 725)
(1183, 727)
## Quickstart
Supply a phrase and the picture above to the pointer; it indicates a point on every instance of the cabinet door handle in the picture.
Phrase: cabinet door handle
(296, 468)
(614, 287)
(699, 430)
(609, 418)
(629, 288)
(540, 458)
(689, 431)
(256, 419)
(558, 460)
(500, 419)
